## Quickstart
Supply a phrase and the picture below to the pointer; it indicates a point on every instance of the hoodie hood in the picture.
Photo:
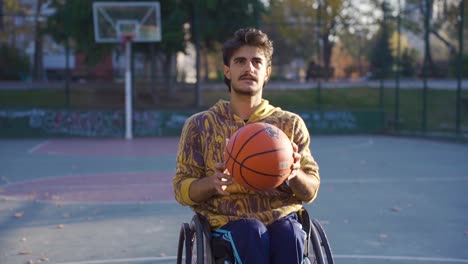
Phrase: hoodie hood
(223, 108)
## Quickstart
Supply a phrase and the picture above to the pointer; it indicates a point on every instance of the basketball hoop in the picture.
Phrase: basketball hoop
(126, 37)
(127, 22)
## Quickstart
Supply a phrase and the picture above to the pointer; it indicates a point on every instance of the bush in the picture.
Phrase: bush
(408, 63)
(14, 64)
(454, 67)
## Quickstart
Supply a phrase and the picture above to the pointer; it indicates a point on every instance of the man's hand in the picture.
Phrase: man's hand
(297, 162)
(221, 179)
(216, 184)
(304, 186)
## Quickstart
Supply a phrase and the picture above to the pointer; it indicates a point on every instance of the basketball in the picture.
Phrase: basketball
(259, 156)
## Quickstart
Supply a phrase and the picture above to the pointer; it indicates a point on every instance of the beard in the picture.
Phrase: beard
(244, 92)
(250, 92)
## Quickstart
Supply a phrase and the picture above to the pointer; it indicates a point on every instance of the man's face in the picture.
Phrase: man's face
(248, 71)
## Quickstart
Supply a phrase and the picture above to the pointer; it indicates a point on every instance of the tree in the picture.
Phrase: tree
(408, 59)
(74, 20)
(380, 56)
(300, 25)
(38, 65)
(14, 64)
(213, 21)
(332, 18)
(291, 24)
(442, 26)
(11, 10)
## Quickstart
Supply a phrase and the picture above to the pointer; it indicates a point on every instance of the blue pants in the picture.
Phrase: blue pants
(249, 241)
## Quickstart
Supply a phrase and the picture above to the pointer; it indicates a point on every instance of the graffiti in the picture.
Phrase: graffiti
(94, 123)
(147, 123)
(331, 120)
(176, 121)
(152, 123)
(20, 114)
(81, 123)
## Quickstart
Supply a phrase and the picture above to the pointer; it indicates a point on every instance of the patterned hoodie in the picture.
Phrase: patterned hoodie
(202, 145)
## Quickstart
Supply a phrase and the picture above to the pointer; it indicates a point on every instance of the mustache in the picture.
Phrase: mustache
(248, 76)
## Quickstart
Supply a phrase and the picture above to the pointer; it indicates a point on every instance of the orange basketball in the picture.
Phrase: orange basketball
(259, 156)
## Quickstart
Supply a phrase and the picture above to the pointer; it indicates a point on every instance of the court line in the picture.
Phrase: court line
(38, 146)
(372, 257)
(406, 258)
(124, 260)
(387, 180)
(367, 143)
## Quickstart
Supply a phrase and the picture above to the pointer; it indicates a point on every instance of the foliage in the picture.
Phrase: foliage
(443, 25)
(9, 27)
(215, 21)
(14, 64)
(307, 30)
(74, 19)
(455, 67)
(292, 25)
(380, 56)
(407, 62)
(173, 18)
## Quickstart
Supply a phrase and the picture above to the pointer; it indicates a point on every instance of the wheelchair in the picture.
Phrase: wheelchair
(195, 242)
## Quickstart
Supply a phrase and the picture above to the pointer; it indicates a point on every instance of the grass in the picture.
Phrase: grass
(440, 108)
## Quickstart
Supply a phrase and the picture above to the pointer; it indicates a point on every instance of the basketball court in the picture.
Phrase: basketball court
(382, 200)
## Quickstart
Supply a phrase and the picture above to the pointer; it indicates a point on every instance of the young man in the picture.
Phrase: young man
(260, 227)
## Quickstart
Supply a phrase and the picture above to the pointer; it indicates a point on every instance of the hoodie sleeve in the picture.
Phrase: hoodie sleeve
(190, 162)
(308, 163)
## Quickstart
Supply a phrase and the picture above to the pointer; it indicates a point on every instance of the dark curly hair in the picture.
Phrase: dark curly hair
(246, 36)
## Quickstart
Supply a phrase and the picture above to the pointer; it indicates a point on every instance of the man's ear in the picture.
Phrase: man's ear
(268, 73)
(227, 72)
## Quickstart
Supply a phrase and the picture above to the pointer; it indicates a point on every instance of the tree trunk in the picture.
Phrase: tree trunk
(38, 66)
(153, 75)
(1, 14)
(327, 55)
(206, 67)
(168, 76)
(431, 69)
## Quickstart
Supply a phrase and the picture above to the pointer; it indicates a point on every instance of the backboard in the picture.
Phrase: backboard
(116, 20)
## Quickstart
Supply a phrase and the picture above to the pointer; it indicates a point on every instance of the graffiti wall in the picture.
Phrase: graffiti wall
(344, 121)
(46, 122)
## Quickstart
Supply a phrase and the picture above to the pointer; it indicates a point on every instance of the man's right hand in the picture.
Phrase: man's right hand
(216, 184)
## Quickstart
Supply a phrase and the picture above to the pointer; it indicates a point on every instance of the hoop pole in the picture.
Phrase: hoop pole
(128, 90)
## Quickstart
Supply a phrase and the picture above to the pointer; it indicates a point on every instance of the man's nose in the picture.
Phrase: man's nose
(249, 66)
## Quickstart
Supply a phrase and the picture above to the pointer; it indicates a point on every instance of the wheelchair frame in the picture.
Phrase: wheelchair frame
(195, 241)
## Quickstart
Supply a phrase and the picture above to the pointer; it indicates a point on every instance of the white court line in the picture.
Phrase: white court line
(124, 260)
(409, 258)
(387, 180)
(374, 257)
(38, 146)
(368, 143)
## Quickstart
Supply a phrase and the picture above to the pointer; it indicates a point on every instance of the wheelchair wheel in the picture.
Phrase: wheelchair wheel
(325, 245)
(317, 249)
(194, 243)
(184, 249)
(321, 247)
